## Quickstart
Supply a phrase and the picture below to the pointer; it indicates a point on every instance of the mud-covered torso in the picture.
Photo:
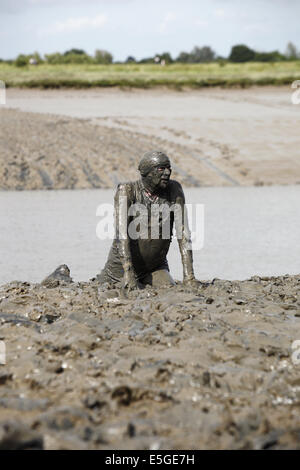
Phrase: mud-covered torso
(152, 227)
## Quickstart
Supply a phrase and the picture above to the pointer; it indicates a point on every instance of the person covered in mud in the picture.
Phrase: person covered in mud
(145, 212)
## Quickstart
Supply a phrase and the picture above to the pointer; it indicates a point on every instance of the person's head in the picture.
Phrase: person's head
(155, 169)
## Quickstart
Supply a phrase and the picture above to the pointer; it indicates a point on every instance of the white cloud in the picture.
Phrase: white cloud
(219, 12)
(75, 25)
(169, 18)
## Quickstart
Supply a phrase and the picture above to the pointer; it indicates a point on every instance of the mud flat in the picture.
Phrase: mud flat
(50, 152)
(205, 368)
(72, 139)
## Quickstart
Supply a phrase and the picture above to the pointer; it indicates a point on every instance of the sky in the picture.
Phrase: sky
(142, 28)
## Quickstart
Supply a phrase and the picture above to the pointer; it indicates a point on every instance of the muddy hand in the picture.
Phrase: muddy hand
(129, 281)
(191, 282)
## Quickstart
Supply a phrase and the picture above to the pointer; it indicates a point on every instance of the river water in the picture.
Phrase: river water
(247, 231)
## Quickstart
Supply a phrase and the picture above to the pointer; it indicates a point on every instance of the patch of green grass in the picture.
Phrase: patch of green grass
(149, 75)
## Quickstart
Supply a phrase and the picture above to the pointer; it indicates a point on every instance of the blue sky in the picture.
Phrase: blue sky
(144, 27)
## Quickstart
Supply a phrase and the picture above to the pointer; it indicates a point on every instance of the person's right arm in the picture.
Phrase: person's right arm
(122, 204)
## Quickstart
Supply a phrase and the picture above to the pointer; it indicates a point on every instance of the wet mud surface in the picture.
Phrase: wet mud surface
(72, 139)
(94, 138)
(182, 368)
(39, 151)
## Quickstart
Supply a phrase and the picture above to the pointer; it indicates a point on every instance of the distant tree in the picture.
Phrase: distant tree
(72, 56)
(183, 57)
(291, 51)
(37, 58)
(222, 62)
(241, 53)
(202, 54)
(58, 58)
(77, 59)
(54, 58)
(75, 51)
(130, 60)
(147, 60)
(197, 55)
(103, 57)
(22, 60)
(273, 56)
(166, 56)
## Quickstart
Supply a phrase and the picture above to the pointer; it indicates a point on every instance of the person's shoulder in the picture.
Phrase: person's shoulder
(127, 189)
(126, 186)
(175, 187)
(175, 184)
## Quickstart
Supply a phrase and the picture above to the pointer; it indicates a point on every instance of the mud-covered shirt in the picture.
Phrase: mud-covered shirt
(147, 253)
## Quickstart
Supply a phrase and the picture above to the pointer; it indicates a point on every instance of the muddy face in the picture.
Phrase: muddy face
(159, 177)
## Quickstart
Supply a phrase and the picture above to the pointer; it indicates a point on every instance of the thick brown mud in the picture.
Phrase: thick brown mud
(200, 368)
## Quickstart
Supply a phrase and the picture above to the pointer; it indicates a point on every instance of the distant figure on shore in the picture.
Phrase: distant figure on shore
(33, 61)
(145, 212)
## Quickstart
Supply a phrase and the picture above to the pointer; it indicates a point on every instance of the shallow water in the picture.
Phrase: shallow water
(247, 231)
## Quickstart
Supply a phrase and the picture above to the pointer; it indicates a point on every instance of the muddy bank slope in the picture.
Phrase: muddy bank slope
(205, 368)
(40, 151)
(207, 145)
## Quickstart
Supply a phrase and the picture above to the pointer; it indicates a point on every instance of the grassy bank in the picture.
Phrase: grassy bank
(148, 75)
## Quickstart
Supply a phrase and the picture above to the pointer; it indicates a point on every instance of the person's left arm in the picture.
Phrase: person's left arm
(183, 236)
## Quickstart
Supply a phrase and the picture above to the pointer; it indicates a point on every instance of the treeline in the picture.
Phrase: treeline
(73, 56)
(239, 53)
